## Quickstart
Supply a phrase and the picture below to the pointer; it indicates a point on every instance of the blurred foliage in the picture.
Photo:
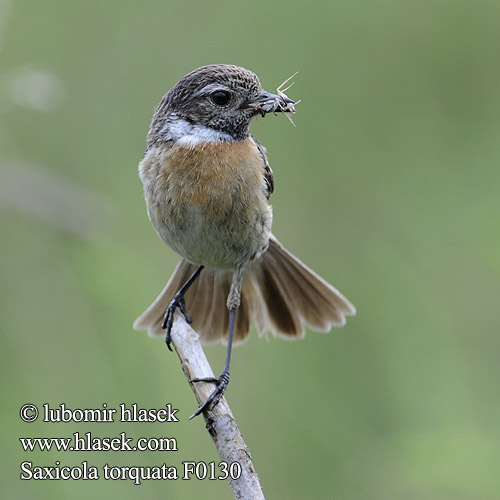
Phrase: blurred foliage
(388, 187)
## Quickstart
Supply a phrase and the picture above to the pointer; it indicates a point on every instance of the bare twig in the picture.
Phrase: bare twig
(220, 422)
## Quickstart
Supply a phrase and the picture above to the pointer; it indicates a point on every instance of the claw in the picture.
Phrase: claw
(178, 301)
(168, 320)
(214, 398)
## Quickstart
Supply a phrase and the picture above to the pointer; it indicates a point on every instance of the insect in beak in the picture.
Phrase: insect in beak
(275, 103)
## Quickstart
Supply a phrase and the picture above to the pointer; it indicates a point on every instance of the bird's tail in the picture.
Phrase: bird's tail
(279, 293)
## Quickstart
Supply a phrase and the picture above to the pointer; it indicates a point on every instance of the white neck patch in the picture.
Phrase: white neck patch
(191, 135)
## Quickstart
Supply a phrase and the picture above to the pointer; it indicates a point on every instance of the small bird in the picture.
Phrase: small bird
(207, 183)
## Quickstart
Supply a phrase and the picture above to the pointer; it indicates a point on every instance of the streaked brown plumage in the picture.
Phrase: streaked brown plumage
(207, 183)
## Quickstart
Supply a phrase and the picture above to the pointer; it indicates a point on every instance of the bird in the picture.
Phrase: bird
(207, 184)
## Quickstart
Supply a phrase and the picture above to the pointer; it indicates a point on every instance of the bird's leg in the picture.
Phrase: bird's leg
(221, 382)
(233, 301)
(178, 301)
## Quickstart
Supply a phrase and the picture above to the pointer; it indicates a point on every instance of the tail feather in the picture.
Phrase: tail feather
(199, 303)
(215, 286)
(279, 293)
(152, 318)
(314, 300)
(281, 313)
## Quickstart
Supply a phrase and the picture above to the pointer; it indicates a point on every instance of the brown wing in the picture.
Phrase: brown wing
(268, 173)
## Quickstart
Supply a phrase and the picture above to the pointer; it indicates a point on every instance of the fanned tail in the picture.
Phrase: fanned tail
(279, 293)
(294, 295)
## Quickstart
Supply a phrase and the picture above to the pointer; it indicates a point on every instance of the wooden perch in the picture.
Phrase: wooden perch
(220, 422)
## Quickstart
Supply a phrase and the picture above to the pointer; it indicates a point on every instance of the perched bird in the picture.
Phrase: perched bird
(207, 184)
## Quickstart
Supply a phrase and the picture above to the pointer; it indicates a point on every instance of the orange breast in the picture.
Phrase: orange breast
(212, 169)
(209, 202)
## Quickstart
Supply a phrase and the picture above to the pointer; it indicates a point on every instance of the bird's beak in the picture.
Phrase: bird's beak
(271, 103)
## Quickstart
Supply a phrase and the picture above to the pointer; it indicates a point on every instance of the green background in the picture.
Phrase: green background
(388, 187)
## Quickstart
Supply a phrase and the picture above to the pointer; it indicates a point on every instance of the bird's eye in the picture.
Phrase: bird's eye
(220, 97)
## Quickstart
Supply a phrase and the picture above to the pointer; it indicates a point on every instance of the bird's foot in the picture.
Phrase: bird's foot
(214, 398)
(168, 320)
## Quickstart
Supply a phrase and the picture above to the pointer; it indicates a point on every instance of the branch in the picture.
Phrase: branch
(220, 421)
